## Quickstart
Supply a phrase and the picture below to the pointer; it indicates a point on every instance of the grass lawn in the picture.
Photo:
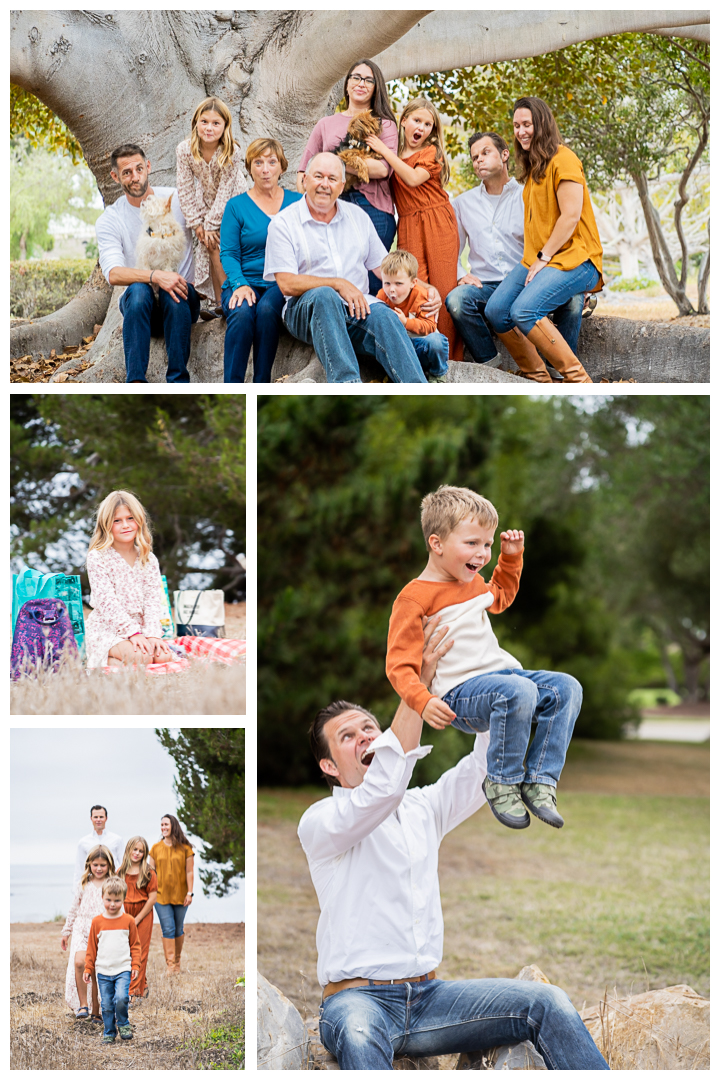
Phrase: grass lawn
(618, 899)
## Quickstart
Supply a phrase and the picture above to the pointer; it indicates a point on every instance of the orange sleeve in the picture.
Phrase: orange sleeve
(91, 951)
(404, 653)
(505, 581)
(421, 326)
(134, 938)
(152, 883)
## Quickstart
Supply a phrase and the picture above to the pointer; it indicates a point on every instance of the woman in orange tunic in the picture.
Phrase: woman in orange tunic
(173, 860)
(142, 886)
(427, 227)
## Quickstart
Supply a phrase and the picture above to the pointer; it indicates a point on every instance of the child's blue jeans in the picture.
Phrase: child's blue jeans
(507, 702)
(114, 993)
(432, 351)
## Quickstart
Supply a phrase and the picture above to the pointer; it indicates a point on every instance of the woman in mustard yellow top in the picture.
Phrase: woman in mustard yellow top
(172, 860)
(563, 253)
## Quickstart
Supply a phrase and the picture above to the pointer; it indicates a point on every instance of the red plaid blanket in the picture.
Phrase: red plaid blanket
(220, 650)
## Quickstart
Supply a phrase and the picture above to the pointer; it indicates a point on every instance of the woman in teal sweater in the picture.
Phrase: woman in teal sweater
(252, 306)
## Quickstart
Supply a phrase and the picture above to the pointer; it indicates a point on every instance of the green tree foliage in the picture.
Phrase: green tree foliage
(340, 481)
(32, 120)
(45, 185)
(210, 764)
(182, 455)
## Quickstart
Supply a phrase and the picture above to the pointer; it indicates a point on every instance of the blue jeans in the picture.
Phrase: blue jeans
(517, 304)
(384, 226)
(172, 917)
(507, 702)
(319, 318)
(364, 1026)
(114, 993)
(467, 303)
(433, 351)
(257, 327)
(145, 317)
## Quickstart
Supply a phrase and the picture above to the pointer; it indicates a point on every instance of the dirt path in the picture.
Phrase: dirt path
(188, 1022)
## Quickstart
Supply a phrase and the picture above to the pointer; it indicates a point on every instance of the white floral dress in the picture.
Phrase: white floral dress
(87, 904)
(125, 600)
(203, 190)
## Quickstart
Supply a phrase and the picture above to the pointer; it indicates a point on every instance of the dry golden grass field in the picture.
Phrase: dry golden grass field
(203, 689)
(192, 1021)
(615, 901)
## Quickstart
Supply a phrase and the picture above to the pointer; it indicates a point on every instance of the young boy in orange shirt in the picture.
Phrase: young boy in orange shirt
(402, 291)
(477, 685)
(113, 953)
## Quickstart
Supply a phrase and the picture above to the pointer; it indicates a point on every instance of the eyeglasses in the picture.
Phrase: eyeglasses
(368, 79)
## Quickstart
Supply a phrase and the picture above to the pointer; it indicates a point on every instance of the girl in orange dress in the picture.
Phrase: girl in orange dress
(427, 226)
(142, 892)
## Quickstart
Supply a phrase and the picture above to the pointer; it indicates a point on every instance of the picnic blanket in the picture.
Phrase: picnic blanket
(209, 650)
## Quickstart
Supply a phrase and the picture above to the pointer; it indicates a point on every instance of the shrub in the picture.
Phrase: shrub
(630, 284)
(41, 286)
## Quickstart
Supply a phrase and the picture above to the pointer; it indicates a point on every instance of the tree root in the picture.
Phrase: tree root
(67, 326)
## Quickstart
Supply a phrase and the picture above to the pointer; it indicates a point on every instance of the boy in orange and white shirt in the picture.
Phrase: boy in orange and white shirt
(113, 954)
(402, 291)
(478, 686)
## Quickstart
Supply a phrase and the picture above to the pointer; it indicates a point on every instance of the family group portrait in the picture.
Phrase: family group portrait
(344, 197)
(128, 554)
(127, 922)
(481, 627)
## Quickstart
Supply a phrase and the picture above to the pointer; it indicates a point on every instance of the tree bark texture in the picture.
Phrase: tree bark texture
(609, 348)
(67, 326)
(662, 256)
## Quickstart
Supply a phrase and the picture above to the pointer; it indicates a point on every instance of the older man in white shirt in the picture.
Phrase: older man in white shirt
(319, 251)
(373, 855)
(491, 219)
(99, 834)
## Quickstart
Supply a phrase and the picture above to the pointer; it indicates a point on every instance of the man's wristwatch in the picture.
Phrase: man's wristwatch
(544, 258)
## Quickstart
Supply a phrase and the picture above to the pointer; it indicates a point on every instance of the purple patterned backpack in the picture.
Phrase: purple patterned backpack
(43, 631)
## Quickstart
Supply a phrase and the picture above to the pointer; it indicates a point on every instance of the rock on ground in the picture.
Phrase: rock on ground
(661, 1029)
(280, 1030)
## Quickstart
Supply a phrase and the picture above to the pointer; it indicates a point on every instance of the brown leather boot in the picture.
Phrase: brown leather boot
(178, 950)
(169, 950)
(545, 335)
(525, 355)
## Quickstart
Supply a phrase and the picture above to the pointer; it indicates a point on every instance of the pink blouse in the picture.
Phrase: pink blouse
(330, 131)
(125, 599)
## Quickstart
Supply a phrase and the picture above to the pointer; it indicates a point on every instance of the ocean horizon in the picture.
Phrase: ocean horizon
(42, 893)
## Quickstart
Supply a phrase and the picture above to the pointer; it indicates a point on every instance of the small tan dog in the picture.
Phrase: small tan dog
(353, 149)
(162, 242)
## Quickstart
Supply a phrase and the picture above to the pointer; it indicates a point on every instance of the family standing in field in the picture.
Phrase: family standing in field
(318, 259)
(372, 848)
(109, 924)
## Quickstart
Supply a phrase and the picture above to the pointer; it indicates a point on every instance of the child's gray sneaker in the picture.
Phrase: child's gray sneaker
(125, 1032)
(506, 804)
(541, 800)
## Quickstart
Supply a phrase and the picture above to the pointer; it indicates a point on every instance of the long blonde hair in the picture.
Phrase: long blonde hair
(143, 868)
(102, 538)
(435, 138)
(99, 852)
(227, 143)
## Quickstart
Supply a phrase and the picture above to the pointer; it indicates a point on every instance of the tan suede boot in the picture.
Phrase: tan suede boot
(169, 950)
(525, 355)
(178, 950)
(545, 335)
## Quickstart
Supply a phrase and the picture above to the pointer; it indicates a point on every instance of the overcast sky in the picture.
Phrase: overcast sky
(56, 775)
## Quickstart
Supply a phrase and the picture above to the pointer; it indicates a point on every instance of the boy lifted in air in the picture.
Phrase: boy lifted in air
(402, 291)
(477, 685)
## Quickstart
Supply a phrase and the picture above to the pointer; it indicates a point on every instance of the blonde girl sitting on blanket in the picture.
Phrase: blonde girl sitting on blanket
(87, 903)
(126, 588)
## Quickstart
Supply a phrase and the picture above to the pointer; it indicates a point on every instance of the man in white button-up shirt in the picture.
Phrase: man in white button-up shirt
(318, 252)
(373, 855)
(491, 219)
(100, 835)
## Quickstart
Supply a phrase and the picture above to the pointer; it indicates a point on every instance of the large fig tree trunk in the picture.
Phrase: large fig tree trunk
(137, 75)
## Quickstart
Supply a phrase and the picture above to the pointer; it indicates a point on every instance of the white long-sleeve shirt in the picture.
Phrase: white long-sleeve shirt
(373, 857)
(494, 227)
(118, 229)
(110, 840)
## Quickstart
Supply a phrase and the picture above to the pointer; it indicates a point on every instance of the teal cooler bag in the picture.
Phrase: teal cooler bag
(32, 585)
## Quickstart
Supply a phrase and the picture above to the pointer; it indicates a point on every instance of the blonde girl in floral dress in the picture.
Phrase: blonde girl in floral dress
(209, 172)
(126, 588)
(87, 904)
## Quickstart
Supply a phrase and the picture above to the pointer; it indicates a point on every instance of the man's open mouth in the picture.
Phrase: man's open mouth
(367, 757)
